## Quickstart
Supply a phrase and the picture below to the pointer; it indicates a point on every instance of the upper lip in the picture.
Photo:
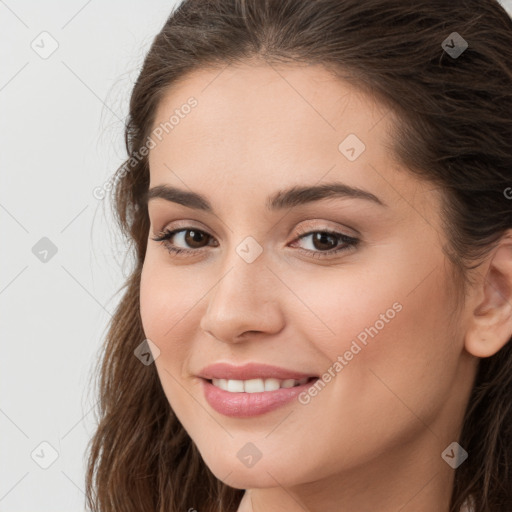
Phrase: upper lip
(249, 371)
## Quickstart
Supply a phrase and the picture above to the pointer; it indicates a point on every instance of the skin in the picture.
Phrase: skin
(372, 438)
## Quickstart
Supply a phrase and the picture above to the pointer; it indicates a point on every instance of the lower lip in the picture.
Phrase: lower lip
(245, 405)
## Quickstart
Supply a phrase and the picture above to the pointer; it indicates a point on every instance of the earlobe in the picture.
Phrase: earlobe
(491, 322)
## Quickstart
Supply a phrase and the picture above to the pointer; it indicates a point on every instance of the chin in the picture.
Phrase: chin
(261, 475)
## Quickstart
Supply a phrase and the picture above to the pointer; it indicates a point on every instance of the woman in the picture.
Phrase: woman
(320, 311)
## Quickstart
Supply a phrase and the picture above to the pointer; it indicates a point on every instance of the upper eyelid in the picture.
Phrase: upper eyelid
(302, 230)
(346, 230)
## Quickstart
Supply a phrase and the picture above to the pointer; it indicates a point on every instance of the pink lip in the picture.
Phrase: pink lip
(250, 371)
(244, 405)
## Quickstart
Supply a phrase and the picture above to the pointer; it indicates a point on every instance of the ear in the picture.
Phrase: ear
(491, 321)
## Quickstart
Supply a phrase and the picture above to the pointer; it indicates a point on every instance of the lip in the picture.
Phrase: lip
(245, 405)
(250, 371)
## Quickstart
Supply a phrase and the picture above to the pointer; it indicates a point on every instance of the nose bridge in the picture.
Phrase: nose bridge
(242, 299)
(244, 272)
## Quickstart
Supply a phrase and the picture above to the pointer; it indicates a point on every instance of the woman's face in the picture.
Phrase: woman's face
(262, 282)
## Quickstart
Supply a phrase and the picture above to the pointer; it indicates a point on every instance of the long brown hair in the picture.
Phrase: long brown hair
(455, 129)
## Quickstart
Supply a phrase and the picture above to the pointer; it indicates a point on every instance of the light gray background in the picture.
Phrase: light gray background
(61, 136)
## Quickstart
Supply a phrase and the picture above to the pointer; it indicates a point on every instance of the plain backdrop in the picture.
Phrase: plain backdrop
(67, 69)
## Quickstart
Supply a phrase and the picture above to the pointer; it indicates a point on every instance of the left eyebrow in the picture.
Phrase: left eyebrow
(296, 196)
(280, 200)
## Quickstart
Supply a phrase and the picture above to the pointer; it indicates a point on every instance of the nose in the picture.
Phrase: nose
(244, 301)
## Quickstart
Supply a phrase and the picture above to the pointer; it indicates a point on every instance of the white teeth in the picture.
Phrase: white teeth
(256, 385)
(236, 386)
(271, 384)
(253, 386)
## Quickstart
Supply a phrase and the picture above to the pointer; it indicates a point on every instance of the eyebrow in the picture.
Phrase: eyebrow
(289, 198)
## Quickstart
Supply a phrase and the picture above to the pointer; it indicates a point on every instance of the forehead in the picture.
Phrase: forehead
(270, 126)
(276, 105)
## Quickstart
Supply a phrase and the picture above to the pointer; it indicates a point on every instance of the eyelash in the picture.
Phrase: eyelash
(349, 241)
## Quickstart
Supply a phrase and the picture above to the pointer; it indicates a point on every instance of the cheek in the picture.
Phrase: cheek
(397, 368)
(390, 329)
(397, 310)
(167, 298)
(167, 301)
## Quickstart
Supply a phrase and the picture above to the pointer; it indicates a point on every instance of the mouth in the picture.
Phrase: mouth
(258, 385)
(251, 389)
(252, 397)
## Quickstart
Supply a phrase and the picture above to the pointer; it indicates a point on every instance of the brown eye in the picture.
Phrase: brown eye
(184, 241)
(324, 241)
(194, 238)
